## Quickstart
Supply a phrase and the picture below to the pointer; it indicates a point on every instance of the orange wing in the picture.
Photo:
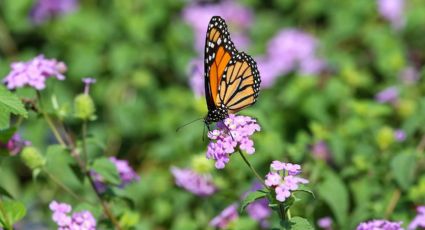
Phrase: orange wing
(219, 50)
(240, 83)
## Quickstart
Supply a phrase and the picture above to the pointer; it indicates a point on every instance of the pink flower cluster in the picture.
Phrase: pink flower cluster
(227, 216)
(379, 224)
(392, 11)
(198, 184)
(233, 132)
(47, 9)
(290, 50)
(419, 221)
(34, 73)
(15, 144)
(83, 220)
(283, 178)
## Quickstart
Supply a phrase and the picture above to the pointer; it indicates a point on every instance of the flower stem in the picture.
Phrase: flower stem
(393, 202)
(63, 186)
(252, 169)
(104, 204)
(85, 153)
(50, 122)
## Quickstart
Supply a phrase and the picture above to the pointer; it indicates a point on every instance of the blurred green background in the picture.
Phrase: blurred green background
(140, 52)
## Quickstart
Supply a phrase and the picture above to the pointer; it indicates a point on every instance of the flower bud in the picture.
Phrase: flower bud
(32, 158)
(201, 164)
(84, 107)
(406, 108)
(385, 137)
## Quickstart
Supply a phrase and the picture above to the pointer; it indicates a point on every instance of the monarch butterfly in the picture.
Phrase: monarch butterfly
(232, 80)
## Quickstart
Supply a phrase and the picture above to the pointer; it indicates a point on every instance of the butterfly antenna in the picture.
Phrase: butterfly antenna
(188, 124)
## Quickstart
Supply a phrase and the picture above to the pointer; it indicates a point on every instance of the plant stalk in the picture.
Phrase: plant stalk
(252, 169)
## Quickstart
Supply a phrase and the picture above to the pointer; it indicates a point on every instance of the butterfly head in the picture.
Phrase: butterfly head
(215, 115)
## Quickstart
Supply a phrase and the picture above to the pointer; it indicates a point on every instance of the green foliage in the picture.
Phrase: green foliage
(252, 196)
(9, 104)
(11, 211)
(333, 191)
(140, 53)
(296, 223)
(107, 170)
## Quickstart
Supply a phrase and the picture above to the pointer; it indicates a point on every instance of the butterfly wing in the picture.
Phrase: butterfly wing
(240, 83)
(219, 50)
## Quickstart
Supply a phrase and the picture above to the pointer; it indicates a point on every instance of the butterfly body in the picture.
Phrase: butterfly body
(232, 80)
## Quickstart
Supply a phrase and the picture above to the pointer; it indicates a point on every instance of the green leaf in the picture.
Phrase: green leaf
(9, 103)
(6, 134)
(403, 168)
(306, 190)
(335, 194)
(296, 223)
(13, 212)
(253, 196)
(4, 192)
(107, 170)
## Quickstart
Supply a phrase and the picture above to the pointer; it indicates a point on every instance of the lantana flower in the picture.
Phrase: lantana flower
(419, 221)
(47, 9)
(34, 73)
(126, 173)
(232, 133)
(15, 144)
(78, 220)
(379, 224)
(283, 179)
(227, 216)
(196, 183)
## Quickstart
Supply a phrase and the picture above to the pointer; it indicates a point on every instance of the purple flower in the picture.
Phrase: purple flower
(78, 220)
(259, 210)
(196, 73)
(198, 184)
(87, 82)
(325, 223)
(228, 215)
(127, 174)
(15, 144)
(238, 17)
(419, 220)
(379, 224)
(409, 75)
(34, 73)
(234, 131)
(389, 95)
(47, 9)
(400, 135)
(392, 10)
(290, 50)
(321, 151)
(283, 179)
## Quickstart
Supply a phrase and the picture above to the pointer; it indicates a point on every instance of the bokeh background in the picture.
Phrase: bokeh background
(342, 95)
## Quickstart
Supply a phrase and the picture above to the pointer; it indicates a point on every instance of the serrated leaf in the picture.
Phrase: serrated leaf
(335, 194)
(253, 196)
(296, 223)
(403, 168)
(107, 170)
(14, 211)
(9, 103)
